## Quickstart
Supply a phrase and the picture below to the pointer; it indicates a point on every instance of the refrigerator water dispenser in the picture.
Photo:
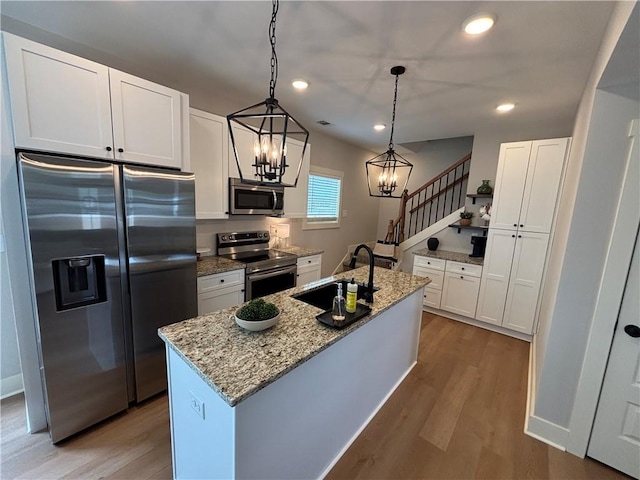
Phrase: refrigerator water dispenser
(79, 281)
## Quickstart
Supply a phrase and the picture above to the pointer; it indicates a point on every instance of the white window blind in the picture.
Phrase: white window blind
(323, 204)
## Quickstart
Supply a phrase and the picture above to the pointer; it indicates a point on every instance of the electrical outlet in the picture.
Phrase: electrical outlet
(345, 213)
(197, 405)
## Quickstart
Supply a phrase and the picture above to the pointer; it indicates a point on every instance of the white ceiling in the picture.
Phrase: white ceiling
(539, 55)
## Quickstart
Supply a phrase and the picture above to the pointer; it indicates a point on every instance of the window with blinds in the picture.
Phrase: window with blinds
(323, 201)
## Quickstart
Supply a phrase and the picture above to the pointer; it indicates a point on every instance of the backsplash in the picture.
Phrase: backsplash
(206, 230)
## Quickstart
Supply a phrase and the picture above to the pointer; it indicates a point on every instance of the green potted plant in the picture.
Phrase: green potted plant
(465, 218)
(257, 315)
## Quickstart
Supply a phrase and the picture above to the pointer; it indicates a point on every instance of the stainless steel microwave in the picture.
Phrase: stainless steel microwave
(255, 199)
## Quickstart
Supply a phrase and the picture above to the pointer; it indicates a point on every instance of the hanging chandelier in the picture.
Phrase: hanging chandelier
(271, 127)
(388, 170)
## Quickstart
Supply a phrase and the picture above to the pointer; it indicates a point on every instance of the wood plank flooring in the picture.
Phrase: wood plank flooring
(458, 415)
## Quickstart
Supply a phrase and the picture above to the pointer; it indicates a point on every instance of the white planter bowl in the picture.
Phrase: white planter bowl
(256, 326)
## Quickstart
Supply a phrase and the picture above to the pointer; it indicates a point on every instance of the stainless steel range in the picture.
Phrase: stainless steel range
(268, 271)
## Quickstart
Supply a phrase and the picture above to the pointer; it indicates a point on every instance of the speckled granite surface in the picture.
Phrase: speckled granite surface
(213, 264)
(453, 256)
(237, 363)
(301, 251)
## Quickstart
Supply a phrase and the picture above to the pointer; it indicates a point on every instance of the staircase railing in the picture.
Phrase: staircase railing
(430, 203)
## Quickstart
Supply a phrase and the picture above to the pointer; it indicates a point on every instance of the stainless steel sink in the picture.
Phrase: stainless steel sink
(322, 297)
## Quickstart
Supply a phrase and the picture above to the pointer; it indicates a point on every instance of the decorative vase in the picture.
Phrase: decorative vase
(432, 243)
(485, 188)
(465, 222)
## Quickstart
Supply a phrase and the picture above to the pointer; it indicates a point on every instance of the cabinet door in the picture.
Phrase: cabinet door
(543, 182)
(525, 281)
(510, 182)
(295, 199)
(309, 269)
(244, 140)
(59, 102)
(209, 140)
(224, 299)
(495, 276)
(432, 297)
(146, 121)
(436, 276)
(460, 294)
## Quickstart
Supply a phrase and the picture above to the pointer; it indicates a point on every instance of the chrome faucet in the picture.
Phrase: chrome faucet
(368, 295)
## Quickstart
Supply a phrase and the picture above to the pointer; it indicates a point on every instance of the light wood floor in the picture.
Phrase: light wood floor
(459, 414)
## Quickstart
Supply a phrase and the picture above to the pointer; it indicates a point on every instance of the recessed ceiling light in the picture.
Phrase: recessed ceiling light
(505, 107)
(379, 127)
(300, 84)
(480, 23)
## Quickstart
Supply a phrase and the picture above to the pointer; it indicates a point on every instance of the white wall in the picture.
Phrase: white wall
(589, 232)
(591, 186)
(10, 372)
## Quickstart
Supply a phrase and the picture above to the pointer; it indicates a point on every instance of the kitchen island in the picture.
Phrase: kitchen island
(288, 401)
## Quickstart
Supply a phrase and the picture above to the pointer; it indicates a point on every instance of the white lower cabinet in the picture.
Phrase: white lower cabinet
(460, 288)
(511, 280)
(309, 269)
(434, 271)
(221, 290)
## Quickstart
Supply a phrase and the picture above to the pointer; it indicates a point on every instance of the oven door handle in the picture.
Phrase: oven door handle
(262, 276)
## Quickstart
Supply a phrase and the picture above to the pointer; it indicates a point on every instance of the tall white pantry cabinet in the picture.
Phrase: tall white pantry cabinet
(524, 203)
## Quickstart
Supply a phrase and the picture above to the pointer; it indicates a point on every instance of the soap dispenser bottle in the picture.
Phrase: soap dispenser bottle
(337, 312)
(352, 296)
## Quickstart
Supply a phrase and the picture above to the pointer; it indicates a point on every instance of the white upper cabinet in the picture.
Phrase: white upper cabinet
(295, 199)
(59, 102)
(208, 138)
(510, 181)
(543, 183)
(527, 184)
(244, 140)
(146, 121)
(67, 104)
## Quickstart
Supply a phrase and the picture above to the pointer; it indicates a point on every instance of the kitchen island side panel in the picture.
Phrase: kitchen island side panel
(202, 435)
(300, 425)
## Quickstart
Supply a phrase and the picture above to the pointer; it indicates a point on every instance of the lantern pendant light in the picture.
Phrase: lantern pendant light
(272, 128)
(389, 169)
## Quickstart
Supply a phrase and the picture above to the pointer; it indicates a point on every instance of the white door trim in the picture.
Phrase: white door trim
(620, 251)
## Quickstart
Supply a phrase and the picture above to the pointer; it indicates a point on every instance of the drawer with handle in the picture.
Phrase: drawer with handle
(429, 262)
(220, 280)
(464, 269)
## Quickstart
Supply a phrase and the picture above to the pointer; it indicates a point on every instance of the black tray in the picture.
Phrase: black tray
(361, 311)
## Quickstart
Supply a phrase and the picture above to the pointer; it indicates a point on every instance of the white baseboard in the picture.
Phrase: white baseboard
(537, 427)
(478, 323)
(364, 425)
(546, 432)
(11, 386)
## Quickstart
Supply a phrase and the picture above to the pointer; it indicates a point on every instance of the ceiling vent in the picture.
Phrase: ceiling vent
(324, 123)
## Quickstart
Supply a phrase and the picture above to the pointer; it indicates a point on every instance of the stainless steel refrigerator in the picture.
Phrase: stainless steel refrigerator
(113, 259)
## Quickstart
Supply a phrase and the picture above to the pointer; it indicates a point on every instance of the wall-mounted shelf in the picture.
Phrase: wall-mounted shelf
(470, 227)
(473, 196)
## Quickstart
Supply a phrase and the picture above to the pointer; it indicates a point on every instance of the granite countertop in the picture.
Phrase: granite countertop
(453, 256)
(300, 251)
(237, 363)
(212, 264)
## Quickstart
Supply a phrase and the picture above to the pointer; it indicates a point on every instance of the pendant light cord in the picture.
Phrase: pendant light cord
(274, 57)
(393, 118)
